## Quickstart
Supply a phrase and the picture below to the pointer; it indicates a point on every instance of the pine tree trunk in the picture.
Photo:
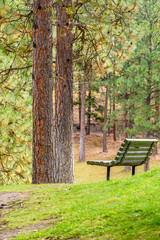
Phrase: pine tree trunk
(110, 111)
(79, 95)
(43, 156)
(64, 155)
(148, 99)
(89, 112)
(82, 128)
(105, 120)
(114, 125)
(155, 122)
(126, 168)
(146, 165)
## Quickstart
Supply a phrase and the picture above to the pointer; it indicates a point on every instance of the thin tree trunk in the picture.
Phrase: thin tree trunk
(43, 156)
(82, 129)
(105, 120)
(124, 124)
(155, 122)
(89, 112)
(148, 99)
(64, 155)
(110, 111)
(126, 168)
(79, 95)
(114, 125)
(146, 165)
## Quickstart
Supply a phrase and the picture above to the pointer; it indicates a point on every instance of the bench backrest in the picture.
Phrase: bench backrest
(135, 151)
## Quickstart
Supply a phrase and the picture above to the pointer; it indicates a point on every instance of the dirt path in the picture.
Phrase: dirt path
(7, 199)
(10, 234)
(6, 202)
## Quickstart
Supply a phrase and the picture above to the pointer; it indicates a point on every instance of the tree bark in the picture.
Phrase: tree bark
(126, 168)
(110, 111)
(79, 96)
(148, 99)
(114, 125)
(89, 112)
(43, 156)
(82, 128)
(64, 153)
(105, 120)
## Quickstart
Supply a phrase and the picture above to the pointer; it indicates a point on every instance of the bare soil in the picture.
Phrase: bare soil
(7, 197)
(10, 234)
(7, 200)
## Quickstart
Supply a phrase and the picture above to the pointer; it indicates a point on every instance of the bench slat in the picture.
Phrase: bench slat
(131, 153)
(140, 140)
(133, 163)
(130, 157)
(102, 163)
(135, 149)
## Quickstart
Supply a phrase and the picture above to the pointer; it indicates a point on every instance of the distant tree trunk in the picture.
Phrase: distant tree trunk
(79, 95)
(124, 124)
(126, 168)
(110, 111)
(105, 120)
(82, 128)
(89, 112)
(146, 165)
(64, 155)
(156, 117)
(43, 155)
(114, 125)
(149, 88)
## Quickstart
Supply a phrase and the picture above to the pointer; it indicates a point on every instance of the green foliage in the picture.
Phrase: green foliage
(138, 82)
(16, 129)
(15, 92)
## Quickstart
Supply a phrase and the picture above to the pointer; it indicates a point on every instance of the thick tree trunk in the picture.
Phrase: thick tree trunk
(64, 154)
(89, 112)
(43, 156)
(82, 128)
(105, 120)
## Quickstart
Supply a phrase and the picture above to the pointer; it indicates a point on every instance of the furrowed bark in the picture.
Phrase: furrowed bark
(43, 156)
(64, 154)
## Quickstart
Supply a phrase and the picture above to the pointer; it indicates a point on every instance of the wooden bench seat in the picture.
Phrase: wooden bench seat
(133, 152)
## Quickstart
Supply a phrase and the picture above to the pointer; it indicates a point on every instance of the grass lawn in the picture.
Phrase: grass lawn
(124, 209)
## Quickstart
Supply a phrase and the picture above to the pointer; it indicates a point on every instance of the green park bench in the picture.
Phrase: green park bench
(133, 152)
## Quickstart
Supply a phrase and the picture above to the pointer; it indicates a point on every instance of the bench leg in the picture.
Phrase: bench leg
(133, 170)
(108, 173)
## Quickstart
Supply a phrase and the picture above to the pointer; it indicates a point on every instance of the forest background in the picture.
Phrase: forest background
(115, 60)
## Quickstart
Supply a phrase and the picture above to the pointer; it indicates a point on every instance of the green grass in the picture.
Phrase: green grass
(125, 209)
